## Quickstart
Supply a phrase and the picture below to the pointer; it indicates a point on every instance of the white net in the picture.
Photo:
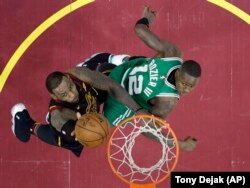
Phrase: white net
(122, 153)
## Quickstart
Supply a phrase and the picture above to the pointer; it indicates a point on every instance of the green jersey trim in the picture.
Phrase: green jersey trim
(169, 72)
(168, 95)
(123, 116)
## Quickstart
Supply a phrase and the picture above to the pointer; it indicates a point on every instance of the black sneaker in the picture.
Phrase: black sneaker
(94, 60)
(21, 122)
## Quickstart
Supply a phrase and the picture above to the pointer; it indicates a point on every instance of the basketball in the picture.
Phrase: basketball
(92, 129)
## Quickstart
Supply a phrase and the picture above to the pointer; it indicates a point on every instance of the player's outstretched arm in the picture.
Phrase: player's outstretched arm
(102, 82)
(142, 30)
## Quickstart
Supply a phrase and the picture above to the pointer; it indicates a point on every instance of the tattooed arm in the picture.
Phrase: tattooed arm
(61, 116)
(102, 82)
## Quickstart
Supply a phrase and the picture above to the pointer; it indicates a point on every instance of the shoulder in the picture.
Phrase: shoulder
(171, 50)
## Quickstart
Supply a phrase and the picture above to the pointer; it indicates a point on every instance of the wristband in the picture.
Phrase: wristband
(66, 131)
(143, 21)
(138, 109)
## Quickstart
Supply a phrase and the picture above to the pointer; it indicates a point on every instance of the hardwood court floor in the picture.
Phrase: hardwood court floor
(217, 112)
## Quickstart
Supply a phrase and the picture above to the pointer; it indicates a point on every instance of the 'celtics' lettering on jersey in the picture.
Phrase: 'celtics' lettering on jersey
(144, 79)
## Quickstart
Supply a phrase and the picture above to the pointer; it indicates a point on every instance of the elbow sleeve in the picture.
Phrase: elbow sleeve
(67, 129)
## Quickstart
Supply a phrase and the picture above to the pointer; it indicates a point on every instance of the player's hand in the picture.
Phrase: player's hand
(142, 111)
(189, 144)
(78, 115)
(149, 14)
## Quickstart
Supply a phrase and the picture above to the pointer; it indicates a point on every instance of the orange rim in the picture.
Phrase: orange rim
(140, 185)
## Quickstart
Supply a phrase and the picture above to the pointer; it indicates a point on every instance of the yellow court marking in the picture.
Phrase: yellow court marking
(233, 9)
(35, 34)
(70, 8)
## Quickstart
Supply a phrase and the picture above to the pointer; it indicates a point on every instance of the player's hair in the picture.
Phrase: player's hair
(53, 80)
(192, 68)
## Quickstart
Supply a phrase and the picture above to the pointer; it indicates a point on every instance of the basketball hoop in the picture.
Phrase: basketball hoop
(127, 149)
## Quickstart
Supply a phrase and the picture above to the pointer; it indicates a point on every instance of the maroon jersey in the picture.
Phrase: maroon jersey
(90, 98)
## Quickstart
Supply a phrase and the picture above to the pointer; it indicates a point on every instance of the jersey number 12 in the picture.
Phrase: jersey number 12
(135, 80)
